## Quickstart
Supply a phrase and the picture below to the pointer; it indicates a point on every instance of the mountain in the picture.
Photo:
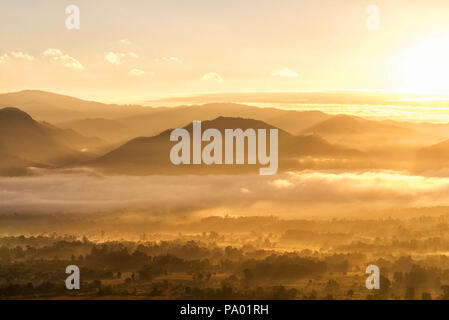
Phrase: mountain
(118, 123)
(51, 107)
(437, 154)
(367, 134)
(151, 155)
(110, 130)
(176, 117)
(26, 141)
(13, 166)
(90, 117)
(438, 131)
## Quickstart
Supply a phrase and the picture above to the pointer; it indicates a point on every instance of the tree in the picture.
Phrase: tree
(349, 294)
(426, 296)
(445, 295)
(410, 293)
(248, 276)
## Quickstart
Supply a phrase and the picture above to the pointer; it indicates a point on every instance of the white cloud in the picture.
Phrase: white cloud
(169, 60)
(62, 58)
(87, 191)
(21, 55)
(16, 55)
(212, 76)
(281, 183)
(286, 72)
(125, 42)
(52, 52)
(115, 58)
(245, 190)
(3, 58)
(137, 72)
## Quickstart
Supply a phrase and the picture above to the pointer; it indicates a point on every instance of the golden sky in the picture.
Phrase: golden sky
(131, 51)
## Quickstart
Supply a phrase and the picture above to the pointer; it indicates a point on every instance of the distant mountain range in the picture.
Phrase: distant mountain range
(135, 139)
(91, 118)
(25, 142)
(54, 108)
(151, 155)
(368, 134)
(436, 155)
(108, 129)
(176, 117)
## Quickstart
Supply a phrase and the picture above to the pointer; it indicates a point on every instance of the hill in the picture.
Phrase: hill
(51, 107)
(150, 155)
(437, 153)
(367, 134)
(26, 141)
(112, 131)
(176, 117)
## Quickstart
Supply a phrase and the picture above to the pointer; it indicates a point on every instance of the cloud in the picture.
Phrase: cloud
(137, 72)
(115, 58)
(54, 55)
(286, 72)
(245, 190)
(67, 61)
(88, 192)
(281, 183)
(169, 60)
(125, 42)
(212, 76)
(21, 55)
(16, 55)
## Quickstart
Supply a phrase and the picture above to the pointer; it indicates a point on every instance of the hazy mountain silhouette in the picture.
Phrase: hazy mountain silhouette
(150, 155)
(436, 155)
(91, 119)
(26, 141)
(386, 144)
(436, 132)
(177, 117)
(78, 114)
(14, 166)
(51, 107)
(110, 130)
(366, 134)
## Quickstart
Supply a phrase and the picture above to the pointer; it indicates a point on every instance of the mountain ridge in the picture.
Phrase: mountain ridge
(150, 155)
(21, 137)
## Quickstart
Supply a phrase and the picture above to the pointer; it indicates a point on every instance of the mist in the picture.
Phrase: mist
(87, 192)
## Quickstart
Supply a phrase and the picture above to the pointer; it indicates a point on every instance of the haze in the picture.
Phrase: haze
(362, 115)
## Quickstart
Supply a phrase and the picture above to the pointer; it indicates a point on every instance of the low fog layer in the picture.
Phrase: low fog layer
(83, 191)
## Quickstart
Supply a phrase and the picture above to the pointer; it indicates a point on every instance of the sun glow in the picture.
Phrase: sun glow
(425, 66)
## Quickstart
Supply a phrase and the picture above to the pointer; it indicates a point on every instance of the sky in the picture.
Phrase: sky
(130, 51)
